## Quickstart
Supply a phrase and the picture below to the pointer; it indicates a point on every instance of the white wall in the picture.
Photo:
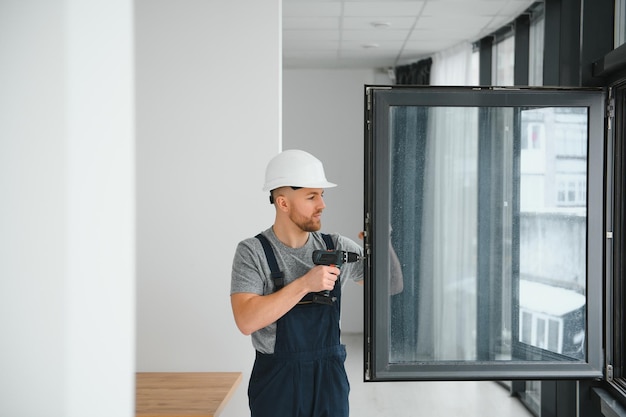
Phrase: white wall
(200, 124)
(208, 106)
(323, 114)
(207, 122)
(67, 211)
(32, 241)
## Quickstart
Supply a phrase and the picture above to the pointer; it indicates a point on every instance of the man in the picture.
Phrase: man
(292, 308)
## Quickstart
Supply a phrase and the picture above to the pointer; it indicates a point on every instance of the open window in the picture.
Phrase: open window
(484, 233)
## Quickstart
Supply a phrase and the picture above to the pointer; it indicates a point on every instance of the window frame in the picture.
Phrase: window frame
(378, 101)
(615, 315)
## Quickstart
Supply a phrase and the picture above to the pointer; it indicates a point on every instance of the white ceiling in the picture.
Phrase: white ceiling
(385, 33)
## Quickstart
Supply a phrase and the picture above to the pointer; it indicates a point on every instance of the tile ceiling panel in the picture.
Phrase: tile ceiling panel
(461, 8)
(383, 8)
(375, 36)
(395, 23)
(457, 23)
(299, 23)
(300, 37)
(348, 34)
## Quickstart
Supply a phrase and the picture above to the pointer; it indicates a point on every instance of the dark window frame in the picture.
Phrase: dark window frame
(378, 101)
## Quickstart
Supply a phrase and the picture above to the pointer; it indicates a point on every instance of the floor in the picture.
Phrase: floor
(432, 399)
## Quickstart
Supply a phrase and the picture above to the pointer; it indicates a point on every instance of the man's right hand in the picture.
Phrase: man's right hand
(321, 278)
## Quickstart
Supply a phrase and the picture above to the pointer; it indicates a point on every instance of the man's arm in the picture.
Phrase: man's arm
(253, 312)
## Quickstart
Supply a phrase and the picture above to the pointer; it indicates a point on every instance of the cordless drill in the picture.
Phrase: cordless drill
(331, 258)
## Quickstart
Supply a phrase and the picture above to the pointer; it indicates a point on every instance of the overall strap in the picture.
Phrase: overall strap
(277, 275)
(329, 241)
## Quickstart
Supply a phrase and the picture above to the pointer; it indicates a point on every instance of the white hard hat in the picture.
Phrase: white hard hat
(295, 168)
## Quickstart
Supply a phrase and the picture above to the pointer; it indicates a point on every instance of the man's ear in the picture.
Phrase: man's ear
(281, 202)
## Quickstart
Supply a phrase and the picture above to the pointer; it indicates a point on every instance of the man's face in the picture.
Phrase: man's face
(306, 206)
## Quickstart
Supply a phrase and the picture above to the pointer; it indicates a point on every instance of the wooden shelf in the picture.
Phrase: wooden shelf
(180, 394)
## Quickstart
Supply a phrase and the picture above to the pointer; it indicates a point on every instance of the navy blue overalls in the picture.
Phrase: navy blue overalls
(305, 376)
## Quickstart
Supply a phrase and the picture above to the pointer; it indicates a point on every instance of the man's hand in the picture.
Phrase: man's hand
(321, 278)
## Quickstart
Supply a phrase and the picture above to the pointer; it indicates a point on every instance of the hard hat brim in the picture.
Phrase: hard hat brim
(277, 184)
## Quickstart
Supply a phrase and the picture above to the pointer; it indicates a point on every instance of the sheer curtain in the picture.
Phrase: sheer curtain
(434, 198)
(449, 233)
(455, 66)
(434, 221)
(449, 216)
(434, 154)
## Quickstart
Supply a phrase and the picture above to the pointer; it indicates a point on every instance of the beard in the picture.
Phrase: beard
(306, 224)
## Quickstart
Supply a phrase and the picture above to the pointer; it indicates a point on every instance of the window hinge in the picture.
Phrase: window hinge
(368, 93)
(610, 111)
(609, 373)
(366, 235)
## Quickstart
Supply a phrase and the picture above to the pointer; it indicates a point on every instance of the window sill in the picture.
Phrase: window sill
(609, 406)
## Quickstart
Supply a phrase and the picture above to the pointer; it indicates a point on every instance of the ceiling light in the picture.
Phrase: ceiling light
(381, 25)
(370, 45)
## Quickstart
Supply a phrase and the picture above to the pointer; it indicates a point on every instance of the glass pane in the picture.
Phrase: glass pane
(487, 218)
(504, 62)
(553, 223)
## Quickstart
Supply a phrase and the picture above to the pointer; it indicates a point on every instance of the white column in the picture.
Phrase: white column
(67, 208)
(100, 174)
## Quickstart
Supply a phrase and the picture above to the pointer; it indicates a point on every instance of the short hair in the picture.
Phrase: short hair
(272, 193)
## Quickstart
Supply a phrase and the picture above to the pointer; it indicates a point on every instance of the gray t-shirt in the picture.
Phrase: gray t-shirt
(251, 272)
